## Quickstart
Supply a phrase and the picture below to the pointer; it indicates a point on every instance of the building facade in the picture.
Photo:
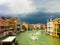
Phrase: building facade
(53, 27)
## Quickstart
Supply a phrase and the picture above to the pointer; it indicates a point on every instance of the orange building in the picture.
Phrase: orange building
(24, 26)
(53, 27)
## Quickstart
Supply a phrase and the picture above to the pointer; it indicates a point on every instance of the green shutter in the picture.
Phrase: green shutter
(58, 29)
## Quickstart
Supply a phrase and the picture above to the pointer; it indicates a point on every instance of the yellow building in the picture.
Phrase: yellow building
(53, 27)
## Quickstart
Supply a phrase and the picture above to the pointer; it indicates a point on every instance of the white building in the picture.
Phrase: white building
(50, 27)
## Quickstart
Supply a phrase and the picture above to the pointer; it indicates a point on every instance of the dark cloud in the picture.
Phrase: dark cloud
(40, 17)
(37, 17)
(51, 6)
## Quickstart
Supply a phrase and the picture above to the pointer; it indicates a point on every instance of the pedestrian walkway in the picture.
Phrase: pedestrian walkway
(43, 39)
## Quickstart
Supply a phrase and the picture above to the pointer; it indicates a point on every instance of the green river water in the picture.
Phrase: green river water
(43, 39)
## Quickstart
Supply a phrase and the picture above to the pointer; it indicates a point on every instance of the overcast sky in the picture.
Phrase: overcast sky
(29, 6)
(32, 11)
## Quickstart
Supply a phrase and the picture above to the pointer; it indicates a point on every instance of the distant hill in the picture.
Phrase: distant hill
(38, 17)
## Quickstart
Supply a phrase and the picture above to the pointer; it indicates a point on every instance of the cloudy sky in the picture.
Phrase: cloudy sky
(26, 7)
(16, 6)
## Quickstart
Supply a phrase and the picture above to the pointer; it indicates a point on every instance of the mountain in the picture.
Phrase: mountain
(37, 17)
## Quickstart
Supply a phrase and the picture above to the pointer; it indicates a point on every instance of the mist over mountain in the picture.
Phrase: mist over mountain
(39, 17)
(33, 18)
(31, 11)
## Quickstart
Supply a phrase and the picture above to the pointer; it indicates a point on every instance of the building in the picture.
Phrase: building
(43, 26)
(53, 27)
(34, 26)
(9, 25)
(24, 26)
